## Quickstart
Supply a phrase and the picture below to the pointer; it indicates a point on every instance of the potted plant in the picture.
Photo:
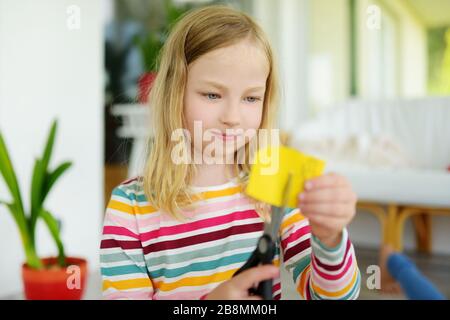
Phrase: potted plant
(151, 44)
(58, 277)
(150, 47)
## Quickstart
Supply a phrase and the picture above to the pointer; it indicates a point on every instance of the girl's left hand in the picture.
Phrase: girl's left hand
(329, 203)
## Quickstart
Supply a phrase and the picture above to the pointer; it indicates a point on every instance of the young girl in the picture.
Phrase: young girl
(185, 227)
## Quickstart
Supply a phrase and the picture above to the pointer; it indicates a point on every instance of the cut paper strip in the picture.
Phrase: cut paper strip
(270, 171)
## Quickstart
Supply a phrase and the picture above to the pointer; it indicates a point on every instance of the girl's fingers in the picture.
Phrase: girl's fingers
(342, 195)
(325, 181)
(327, 222)
(248, 278)
(253, 298)
(326, 209)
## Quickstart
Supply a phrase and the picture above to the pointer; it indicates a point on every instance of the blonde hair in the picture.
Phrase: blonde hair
(197, 33)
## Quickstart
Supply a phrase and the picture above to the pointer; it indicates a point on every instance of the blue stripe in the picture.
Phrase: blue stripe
(201, 266)
(120, 270)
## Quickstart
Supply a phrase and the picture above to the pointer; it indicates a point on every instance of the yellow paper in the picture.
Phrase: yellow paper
(270, 171)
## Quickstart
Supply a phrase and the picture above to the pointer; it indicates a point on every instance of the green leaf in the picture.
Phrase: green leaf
(53, 227)
(20, 221)
(36, 194)
(39, 177)
(49, 146)
(8, 173)
(53, 177)
(30, 251)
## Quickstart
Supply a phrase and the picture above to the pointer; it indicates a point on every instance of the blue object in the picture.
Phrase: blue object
(414, 284)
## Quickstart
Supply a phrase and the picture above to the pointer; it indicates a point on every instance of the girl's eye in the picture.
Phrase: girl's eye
(253, 99)
(211, 96)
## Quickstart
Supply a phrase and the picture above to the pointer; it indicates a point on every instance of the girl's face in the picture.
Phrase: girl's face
(225, 92)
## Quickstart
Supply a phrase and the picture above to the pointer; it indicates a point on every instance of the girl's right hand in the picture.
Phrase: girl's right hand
(237, 287)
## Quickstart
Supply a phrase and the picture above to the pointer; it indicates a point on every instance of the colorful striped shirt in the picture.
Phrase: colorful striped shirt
(146, 254)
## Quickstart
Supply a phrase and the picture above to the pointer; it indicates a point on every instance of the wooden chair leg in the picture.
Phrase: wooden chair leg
(422, 226)
(399, 228)
(392, 215)
(379, 213)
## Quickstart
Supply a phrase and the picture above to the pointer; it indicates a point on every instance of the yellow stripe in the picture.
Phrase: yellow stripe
(125, 208)
(337, 293)
(196, 281)
(127, 284)
(276, 262)
(291, 220)
(221, 193)
(301, 287)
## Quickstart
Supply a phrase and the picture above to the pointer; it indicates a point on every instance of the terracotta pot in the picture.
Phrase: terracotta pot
(145, 85)
(54, 282)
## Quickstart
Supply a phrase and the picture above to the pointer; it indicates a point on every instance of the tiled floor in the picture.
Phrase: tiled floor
(435, 267)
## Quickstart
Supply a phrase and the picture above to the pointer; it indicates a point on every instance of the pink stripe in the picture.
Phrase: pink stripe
(112, 218)
(296, 235)
(187, 227)
(276, 287)
(334, 285)
(329, 276)
(136, 295)
(119, 231)
(293, 227)
(308, 293)
(130, 180)
(147, 222)
(211, 207)
(153, 220)
(189, 295)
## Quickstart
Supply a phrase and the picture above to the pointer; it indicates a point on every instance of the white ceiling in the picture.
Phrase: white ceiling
(435, 13)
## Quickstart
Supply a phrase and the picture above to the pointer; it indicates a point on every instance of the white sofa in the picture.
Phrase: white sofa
(394, 153)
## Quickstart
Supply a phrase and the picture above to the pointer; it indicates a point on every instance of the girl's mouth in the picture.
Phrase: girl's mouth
(225, 137)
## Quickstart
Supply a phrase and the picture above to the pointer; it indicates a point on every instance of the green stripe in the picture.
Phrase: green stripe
(131, 196)
(205, 252)
(326, 248)
(121, 270)
(300, 266)
(201, 266)
(120, 256)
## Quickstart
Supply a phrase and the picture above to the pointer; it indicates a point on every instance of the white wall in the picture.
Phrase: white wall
(48, 71)
(286, 23)
(329, 52)
(410, 63)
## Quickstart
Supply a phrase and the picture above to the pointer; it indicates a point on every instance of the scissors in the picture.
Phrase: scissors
(265, 249)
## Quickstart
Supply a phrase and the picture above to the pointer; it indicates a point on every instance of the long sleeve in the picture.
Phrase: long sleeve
(123, 268)
(318, 272)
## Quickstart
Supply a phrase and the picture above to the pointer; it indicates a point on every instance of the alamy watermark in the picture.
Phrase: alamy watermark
(373, 21)
(216, 146)
(73, 21)
(73, 281)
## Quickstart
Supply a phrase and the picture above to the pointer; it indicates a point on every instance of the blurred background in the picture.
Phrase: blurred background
(365, 85)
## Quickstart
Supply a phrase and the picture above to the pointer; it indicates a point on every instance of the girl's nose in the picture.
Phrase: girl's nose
(231, 116)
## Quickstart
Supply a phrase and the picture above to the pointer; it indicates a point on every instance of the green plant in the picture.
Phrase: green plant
(42, 182)
(151, 44)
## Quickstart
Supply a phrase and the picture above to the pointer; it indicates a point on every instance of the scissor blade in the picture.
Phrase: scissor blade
(277, 214)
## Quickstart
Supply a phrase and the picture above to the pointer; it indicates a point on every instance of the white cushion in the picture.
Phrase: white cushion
(392, 151)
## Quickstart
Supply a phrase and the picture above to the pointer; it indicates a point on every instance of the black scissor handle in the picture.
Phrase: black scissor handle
(263, 254)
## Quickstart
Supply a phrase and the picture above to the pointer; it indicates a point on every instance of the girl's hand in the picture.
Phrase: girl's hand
(330, 204)
(237, 287)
